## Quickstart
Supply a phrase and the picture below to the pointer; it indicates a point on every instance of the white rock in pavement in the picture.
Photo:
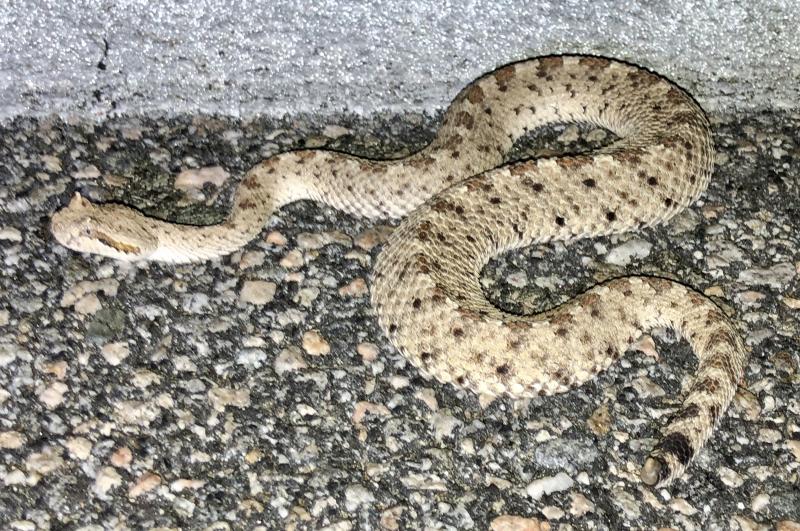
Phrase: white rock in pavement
(11, 234)
(777, 276)
(106, 479)
(195, 178)
(547, 485)
(356, 495)
(622, 255)
(114, 353)
(257, 292)
(289, 359)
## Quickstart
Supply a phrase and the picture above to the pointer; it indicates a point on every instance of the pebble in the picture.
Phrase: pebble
(373, 236)
(622, 255)
(11, 440)
(51, 163)
(646, 346)
(180, 485)
(306, 296)
(131, 132)
(275, 238)
(292, 260)
(115, 353)
(548, 485)
(428, 397)
(11, 234)
(251, 259)
(17, 477)
(289, 359)
(107, 478)
(390, 518)
(367, 351)
(184, 507)
(146, 482)
(791, 302)
(195, 178)
(647, 388)
(600, 420)
(561, 454)
(746, 404)
(258, 292)
(220, 398)
(251, 357)
(730, 477)
(196, 303)
(79, 447)
(580, 504)
(357, 495)
(518, 523)
(570, 134)
(253, 456)
(746, 524)
(794, 447)
(444, 424)
(399, 382)
(551, 512)
(596, 135)
(682, 506)
(684, 222)
(777, 276)
(769, 435)
(253, 342)
(87, 172)
(122, 457)
(22, 525)
(750, 298)
(714, 291)
(107, 286)
(53, 395)
(55, 368)
(88, 304)
(317, 240)
(355, 288)
(314, 344)
(136, 412)
(627, 503)
(335, 131)
(362, 408)
(10, 352)
(184, 364)
(760, 501)
(518, 279)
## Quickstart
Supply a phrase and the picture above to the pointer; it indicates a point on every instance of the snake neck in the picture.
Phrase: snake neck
(354, 185)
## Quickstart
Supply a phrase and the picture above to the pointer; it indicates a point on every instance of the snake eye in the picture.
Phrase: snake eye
(86, 227)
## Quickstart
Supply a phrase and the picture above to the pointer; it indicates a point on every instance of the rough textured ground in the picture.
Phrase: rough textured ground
(258, 389)
(245, 58)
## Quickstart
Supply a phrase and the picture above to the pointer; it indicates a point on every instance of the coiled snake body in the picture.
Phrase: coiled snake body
(460, 206)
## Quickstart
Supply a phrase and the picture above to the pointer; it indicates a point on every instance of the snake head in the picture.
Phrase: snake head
(109, 230)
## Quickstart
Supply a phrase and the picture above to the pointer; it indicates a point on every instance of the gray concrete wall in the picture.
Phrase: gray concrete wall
(92, 57)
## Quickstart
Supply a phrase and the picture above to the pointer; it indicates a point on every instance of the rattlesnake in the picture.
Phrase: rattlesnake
(461, 206)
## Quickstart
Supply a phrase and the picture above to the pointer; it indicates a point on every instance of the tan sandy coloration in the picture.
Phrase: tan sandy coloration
(461, 206)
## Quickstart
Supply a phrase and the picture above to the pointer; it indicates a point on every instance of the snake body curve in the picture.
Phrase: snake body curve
(460, 206)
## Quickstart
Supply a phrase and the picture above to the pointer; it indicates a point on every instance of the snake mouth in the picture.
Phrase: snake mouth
(117, 245)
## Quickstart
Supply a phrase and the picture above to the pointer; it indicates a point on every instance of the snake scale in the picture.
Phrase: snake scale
(460, 206)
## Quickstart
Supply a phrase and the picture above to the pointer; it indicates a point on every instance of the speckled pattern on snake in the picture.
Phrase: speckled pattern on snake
(460, 206)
